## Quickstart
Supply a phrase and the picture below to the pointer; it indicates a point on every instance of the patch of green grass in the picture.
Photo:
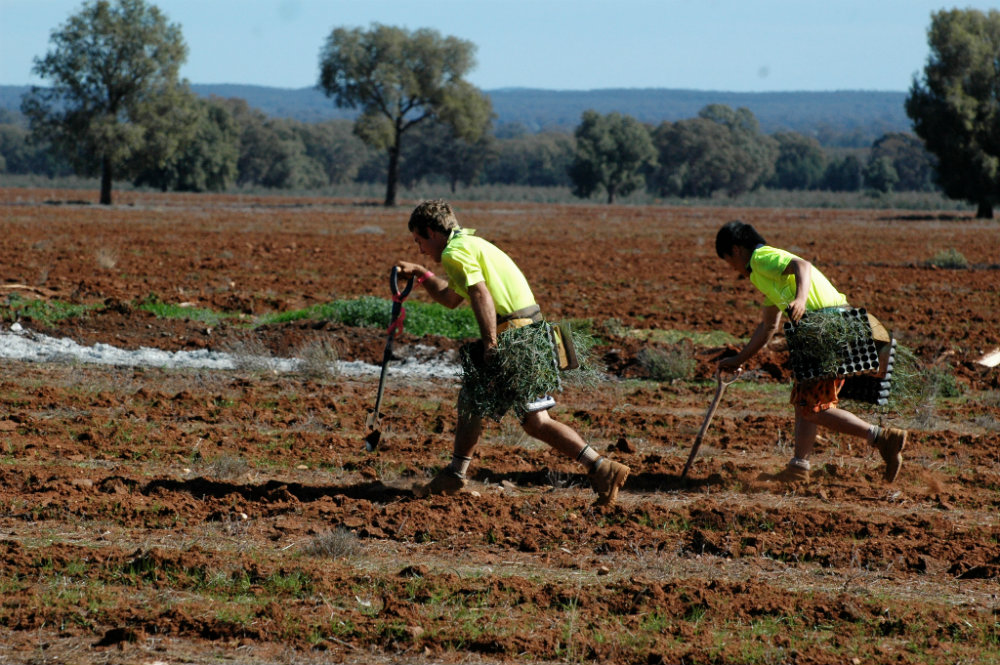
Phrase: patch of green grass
(366, 312)
(655, 622)
(47, 312)
(238, 617)
(710, 338)
(165, 310)
(294, 583)
(371, 312)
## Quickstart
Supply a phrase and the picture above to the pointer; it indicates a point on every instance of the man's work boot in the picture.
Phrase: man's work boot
(889, 444)
(445, 482)
(607, 477)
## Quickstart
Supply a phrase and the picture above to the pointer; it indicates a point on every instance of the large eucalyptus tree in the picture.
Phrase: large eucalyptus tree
(956, 106)
(401, 79)
(116, 107)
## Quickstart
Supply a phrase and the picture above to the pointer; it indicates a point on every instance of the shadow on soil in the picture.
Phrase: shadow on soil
(274, 490)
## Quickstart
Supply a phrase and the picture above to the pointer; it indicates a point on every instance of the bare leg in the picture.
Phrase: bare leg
(805, 436)
(889, 442)
(467, 433)
(838, 420)
(843, 422)
(561, 437)
(606, 476)
(452, 479)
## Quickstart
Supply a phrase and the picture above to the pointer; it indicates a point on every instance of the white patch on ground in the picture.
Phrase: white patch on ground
(29, 346)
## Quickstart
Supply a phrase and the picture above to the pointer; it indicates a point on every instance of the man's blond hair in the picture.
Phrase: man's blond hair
(433, 215)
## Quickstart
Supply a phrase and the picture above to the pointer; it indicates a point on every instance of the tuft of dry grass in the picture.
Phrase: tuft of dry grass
(339, 543)
(228, 467)
(318, 360)
(106, 257)
(249, 354)
(666, 365)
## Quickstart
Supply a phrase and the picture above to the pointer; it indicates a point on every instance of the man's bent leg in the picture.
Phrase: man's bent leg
(561, 437)
(606, 476)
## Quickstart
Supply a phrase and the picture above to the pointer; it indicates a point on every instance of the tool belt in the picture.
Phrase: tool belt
(519, 318)
(562, 343)
(560, 334)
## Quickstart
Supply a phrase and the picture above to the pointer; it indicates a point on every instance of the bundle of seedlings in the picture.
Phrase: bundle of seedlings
(524, 369)
(910, 391)
(831, 342)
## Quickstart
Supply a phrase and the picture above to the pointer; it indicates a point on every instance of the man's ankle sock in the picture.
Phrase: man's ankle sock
(588, 457)
(459, 465)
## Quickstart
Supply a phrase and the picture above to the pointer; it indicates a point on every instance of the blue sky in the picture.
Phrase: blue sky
(726, 45)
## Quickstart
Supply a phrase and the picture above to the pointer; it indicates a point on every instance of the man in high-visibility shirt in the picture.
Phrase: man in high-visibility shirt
(503, 304)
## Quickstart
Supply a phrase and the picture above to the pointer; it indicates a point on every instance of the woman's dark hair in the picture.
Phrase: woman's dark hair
(737, 233)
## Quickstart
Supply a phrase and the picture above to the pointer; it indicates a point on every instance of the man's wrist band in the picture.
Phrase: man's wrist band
(423, 278)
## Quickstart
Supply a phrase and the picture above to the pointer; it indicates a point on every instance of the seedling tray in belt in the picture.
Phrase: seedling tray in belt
(873, 389)
(831, 342)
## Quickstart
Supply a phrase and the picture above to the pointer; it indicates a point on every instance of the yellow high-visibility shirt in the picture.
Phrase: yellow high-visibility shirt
(469, 260)
(766, 267)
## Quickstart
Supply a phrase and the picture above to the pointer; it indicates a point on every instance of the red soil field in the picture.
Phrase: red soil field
(154, 515)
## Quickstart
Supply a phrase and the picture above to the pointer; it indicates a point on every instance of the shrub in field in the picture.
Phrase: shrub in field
(677, 362)
(227, 467)
(950, 258)
(339, 543)
(106, 258)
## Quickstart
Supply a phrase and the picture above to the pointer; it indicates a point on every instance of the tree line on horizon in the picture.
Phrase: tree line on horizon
(117, 109)
(240, 147)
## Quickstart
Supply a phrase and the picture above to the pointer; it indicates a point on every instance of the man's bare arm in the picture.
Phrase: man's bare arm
(484, 308)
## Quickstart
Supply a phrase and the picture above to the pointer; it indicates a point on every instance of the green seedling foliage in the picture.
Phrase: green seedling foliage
(522, 370)
(914, 385)
(817, 340)
(295, 583)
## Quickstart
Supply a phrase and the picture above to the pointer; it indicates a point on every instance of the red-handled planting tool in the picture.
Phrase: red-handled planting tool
(395, 324)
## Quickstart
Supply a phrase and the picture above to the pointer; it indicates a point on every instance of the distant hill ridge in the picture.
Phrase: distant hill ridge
(862, 112)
